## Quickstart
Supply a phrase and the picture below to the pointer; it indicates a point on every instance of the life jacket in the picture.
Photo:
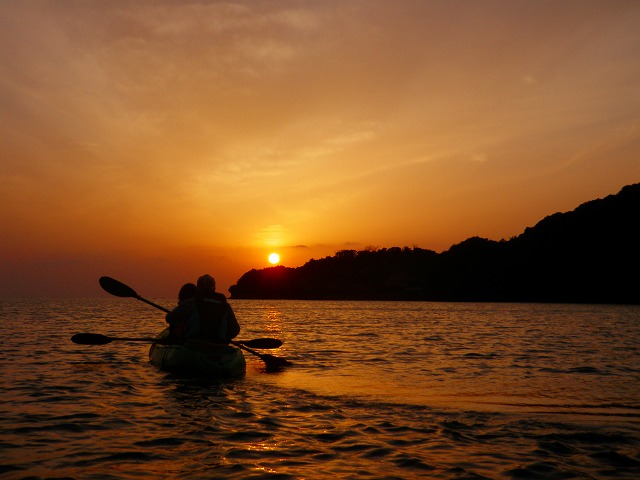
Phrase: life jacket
(212, 311)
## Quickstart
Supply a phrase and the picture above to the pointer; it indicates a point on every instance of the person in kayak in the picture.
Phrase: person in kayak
(207, 315)
(179, 328)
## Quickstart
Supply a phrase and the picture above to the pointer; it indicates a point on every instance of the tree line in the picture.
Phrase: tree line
(588, 255)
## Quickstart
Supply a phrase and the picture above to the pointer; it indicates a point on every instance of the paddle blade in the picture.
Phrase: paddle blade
(114, 287)
(90, 339)
(264, 343)
(274, 364)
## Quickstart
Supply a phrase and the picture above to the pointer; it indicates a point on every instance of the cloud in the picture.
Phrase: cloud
(479, 157)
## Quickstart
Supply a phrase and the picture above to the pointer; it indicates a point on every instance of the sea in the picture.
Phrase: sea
(376, 390)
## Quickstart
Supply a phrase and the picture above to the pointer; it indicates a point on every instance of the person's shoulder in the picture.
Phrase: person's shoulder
(185, 305)
(220, 297)
(214, 297)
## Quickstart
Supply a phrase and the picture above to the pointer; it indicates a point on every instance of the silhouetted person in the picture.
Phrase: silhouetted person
(207, 315)
(180, 325)
(188, 290)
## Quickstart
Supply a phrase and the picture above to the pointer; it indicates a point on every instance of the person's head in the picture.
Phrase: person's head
(188, 290)
(206, 284)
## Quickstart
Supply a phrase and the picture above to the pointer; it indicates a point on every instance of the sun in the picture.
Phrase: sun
(274, 258)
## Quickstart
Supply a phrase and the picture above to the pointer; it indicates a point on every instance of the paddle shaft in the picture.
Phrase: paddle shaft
(138, 297)
(131, 339)
(239, 345)
(99, 339)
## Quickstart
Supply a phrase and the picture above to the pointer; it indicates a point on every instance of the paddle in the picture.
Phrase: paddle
(119, 289)
(272, 363)
(99, 339)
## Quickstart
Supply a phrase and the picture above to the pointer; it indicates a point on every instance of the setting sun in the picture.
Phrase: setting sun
(274, 258)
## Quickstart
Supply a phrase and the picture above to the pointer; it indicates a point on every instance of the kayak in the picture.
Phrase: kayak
(198, 357)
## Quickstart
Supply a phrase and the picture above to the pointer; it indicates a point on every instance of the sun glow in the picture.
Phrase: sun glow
(274, 258)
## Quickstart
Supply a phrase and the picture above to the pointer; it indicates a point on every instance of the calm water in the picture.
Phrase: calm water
(378, 390)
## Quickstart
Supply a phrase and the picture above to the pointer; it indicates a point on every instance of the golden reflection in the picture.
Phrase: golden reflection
(273, 323)
(267, 470)
(261, 447)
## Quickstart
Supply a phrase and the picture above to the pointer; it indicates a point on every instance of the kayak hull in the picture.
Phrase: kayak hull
(211, 360)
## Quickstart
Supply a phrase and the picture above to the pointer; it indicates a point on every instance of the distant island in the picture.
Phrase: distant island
(588, 255)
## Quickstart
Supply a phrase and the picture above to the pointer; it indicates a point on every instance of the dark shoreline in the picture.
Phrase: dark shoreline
(587, 256)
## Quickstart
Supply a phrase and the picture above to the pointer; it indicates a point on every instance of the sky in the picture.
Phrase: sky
(155, 141)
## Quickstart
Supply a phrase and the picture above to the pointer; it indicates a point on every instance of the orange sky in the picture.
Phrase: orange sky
(156, 141)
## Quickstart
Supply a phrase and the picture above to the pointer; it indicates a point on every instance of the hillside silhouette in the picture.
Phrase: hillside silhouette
(588, 255)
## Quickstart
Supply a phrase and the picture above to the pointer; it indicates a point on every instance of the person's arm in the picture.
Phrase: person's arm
(233, 327)
(179, 314)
